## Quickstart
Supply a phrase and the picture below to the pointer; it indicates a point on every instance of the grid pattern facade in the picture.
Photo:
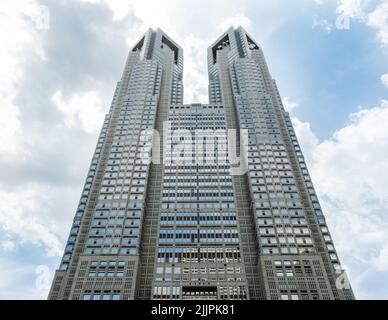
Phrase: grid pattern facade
(187, 227)
(103, 256)
(288, 218)
(198, 253)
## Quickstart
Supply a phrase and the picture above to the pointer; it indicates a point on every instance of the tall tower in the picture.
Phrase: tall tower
(291, 250)
(107, 255)
(186, 225)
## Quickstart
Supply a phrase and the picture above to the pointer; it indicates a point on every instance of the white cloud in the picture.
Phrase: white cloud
(195, 82)
(378, 19)
(17, 36)
(235, 21)
(289, 105)
(360, 10)
(153, 13)
(27, 216)
(8, 245)
(81, 109)
(322, 23)
(384, 79)
(381, 261)
(307, 138)
(18, 280)
(350, 172)
(353, 9)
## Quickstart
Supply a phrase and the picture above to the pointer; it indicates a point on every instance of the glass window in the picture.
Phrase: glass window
(159, 270)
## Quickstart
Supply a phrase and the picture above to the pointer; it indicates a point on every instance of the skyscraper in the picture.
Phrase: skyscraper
(170, 210)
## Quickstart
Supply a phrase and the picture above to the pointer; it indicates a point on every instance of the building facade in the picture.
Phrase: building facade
(166, 214)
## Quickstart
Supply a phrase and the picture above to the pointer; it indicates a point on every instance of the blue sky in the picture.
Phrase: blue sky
(57, 80)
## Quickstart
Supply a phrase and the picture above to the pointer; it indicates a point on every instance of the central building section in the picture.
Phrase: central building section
(198, 249)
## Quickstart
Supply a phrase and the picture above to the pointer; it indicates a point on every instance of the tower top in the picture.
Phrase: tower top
(233, 38)
(154, 40)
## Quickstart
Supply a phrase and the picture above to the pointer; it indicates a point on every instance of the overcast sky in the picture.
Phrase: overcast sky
(58, 75)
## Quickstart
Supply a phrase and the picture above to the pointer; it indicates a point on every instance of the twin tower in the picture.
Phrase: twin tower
(191, 229)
